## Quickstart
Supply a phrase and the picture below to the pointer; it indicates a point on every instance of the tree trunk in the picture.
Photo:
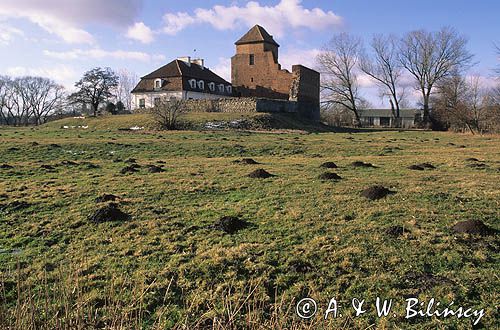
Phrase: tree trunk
(358, 119)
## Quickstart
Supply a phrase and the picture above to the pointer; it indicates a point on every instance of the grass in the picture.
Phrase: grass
(167, 268)
(193, 120)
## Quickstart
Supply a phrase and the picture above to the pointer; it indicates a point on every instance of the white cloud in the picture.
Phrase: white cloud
(366, 81)
(223, 68)
(99, 54)
(278, 19)
(141, 32)
(62, 74)
(8, 34)
(67, 19)
(293, 56)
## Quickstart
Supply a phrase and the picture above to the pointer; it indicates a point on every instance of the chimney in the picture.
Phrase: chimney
(186, 59)
(200, 62)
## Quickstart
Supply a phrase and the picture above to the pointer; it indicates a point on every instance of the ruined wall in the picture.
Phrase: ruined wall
(305, 89)
(263, 78)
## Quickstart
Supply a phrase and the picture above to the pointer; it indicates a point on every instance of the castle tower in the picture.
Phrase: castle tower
(255, 70)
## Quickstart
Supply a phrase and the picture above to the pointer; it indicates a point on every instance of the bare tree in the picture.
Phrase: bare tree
(386, 69)
(42, 96)
(338, 62)
(126, 82)
(166, 113)
(5, 113)
(96, 87)
(12, 107)
(28, 100)
(463, 103)
(497, 71)
(431, 57)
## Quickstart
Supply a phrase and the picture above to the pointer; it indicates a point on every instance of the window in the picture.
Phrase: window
(156, 101)
(229, 89)
(157, 83)
(385, 121)
(251, 79)
(192, 83)
(221, 88)
(142, 103)
(252, 59)
(211, 86)
(201, 84)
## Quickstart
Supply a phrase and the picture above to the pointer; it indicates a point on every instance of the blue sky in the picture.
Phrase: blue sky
(62, 39)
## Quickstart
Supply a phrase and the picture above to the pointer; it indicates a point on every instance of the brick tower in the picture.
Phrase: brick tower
(255, 70)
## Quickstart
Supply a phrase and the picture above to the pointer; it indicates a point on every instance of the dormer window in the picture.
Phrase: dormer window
(229, 89)
(158, 84)
(201, 84)
(211, 86)
(221, 88)
(192, 83)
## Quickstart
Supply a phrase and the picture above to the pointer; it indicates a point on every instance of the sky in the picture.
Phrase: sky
(61, 39)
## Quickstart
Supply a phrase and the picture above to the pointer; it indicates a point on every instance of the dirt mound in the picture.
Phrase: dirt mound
(328, 176)
(47, 167)
(472, 227)
(90, 166)
(424, 281)
(472, 160)
(428, 166)
(395, 231)
(230, 225)
(108, 213)
(300, 266)
(6, 167)
(363, 164)
(54, 146)
(416, 168)
(129, 169)
(260, 174)
(376, 192)
(15, 206)
(329, 165)
(477, 165)
(422, 167)
(68, 163)
(106, 198)
(155, 169)
(247, 161)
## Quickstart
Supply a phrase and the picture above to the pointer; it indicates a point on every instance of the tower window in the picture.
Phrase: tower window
(252, 59)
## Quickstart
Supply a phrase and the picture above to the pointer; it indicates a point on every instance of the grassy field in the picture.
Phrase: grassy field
(169, 267)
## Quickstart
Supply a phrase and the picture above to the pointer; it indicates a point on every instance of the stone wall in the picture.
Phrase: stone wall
(305, 89)
(222, 105)
(242, 105)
